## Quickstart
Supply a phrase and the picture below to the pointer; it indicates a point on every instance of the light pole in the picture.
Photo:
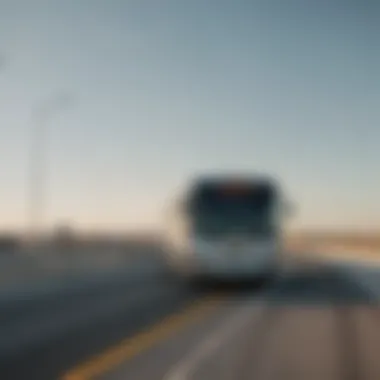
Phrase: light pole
(41, 115)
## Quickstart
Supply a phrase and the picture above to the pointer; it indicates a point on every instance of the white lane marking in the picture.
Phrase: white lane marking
(207, 347)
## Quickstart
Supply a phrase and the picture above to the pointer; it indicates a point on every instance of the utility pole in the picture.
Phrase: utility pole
(38, 161)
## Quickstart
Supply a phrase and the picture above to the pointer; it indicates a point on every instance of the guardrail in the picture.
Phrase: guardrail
(346, 250)
(34, 263)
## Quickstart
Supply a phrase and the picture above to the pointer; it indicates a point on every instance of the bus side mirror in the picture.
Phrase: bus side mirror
(290, 209)
(182, 206)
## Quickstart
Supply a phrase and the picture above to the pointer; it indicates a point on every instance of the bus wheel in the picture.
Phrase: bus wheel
(200, 283)
(270, 276)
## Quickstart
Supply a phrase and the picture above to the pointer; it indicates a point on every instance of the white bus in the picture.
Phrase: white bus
(226, 227)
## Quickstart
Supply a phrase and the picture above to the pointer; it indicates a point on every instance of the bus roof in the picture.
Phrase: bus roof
(216, 180)
(202, 183)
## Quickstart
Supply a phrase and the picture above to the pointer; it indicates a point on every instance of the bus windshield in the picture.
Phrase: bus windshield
(221, 209)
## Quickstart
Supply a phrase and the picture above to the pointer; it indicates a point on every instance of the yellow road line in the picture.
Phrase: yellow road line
(130, 347)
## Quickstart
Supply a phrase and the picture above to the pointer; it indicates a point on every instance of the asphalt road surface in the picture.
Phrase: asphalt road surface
(317, 320)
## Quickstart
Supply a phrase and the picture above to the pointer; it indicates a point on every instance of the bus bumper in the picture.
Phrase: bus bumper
(230, 267)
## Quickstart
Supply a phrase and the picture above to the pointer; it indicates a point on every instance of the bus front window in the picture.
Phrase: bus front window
(251, 214)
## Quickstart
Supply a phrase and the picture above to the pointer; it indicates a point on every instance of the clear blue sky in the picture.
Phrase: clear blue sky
(164, 88)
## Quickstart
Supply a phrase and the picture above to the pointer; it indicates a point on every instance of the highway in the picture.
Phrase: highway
(317, 319)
